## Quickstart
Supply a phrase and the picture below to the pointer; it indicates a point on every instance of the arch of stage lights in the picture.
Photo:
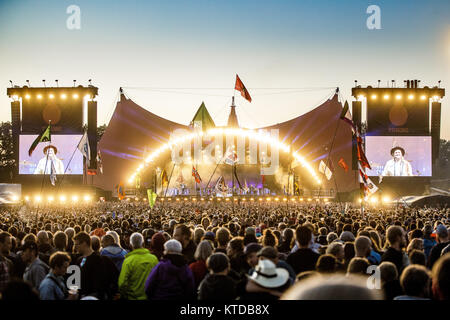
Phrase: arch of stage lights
(259, 137)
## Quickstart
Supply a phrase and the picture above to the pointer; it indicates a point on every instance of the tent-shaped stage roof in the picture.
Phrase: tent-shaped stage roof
(134, 131)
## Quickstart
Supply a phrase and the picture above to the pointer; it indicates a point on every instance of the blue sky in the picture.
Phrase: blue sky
(203, 44)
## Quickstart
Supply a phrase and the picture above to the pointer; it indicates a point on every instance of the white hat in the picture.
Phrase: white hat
(267, 275)
(173, 246)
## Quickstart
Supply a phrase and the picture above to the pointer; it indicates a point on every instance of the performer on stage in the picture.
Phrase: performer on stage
(49, 160)
(398, 166)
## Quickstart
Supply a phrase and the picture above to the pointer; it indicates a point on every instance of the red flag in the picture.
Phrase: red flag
(196, 175)
(343, 165)
(239, 86)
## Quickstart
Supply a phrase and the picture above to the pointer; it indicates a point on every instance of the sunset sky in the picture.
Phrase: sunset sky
(180, 53)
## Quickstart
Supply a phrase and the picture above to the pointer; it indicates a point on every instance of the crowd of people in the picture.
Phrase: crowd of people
(222, 251)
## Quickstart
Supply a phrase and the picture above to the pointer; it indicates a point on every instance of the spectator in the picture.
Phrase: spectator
(53, 286)
(442, 242)
(98, 273)
(267, 282)
(171, 278)
(389, 280)
(326, 264)
(21, 290)
(271, 254)
(113, 251)
(331, 288)
(182, 233)
(217, 285)
(44, 247)
(395, 236)
(428, 241)
(36, 269)
(304, 258)
(6, 265)
(60, 241)
(198, 268)
(157, 245)
(135, 269)
(358, 266)
(223, 236)
(415, 281)
(441, 278)
(417, 257)
(251, 257)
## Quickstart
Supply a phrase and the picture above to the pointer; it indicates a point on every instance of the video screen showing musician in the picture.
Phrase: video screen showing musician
(397, 166)
(50, 162)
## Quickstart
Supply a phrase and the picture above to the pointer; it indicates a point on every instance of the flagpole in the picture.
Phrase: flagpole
(46, 160)
(170, 177)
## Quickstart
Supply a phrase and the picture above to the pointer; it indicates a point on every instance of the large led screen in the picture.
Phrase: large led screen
(399, 156)
(63, 155)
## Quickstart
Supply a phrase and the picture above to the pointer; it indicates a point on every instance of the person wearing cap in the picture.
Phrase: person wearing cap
(267, 282)
(171, 278)
(397, 166)
(49, 162)
(217, 284)
(442, 242)
(36, 269)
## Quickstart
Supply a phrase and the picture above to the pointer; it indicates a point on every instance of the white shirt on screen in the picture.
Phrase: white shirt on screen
(401, 168)
(59, 166)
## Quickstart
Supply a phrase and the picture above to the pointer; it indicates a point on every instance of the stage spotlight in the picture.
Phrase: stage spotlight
(63, 96)
(423, 97)
(202, 199)
(373, 200)
(284, 199)
(359, 200)
(277, 199)
(293, 199)
(185, 199)
(386, 97)
(301, 199)
(27, 198)
(87, 198)
(14, 198)
(75, 96)
(260, 199)
(178, 199)
(435, 98)
(51, 95)
(194, 199)
(74, 198)
(386, 199)
(361, 97)
(62, 198)
(27, 96)
(235, 199)
(309, 199)
(50, 199)
(227, 199)
(411, 96)
(37, 198)
(15, 97)
(374, 97)
(39, 96)
(268, 199)
(398, 97)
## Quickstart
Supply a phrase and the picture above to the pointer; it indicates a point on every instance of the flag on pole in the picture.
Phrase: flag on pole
(347, 117)
(196, 175)
(220, 185)
(239, 86)
(361, 155)
(164, 179)
(325, 170)
(231, 156)
(121, 191)
(84, 148)
(246, 189)
(343, 165)
(151, 197)
(43, 137)
(236, 176)
(99, 162)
